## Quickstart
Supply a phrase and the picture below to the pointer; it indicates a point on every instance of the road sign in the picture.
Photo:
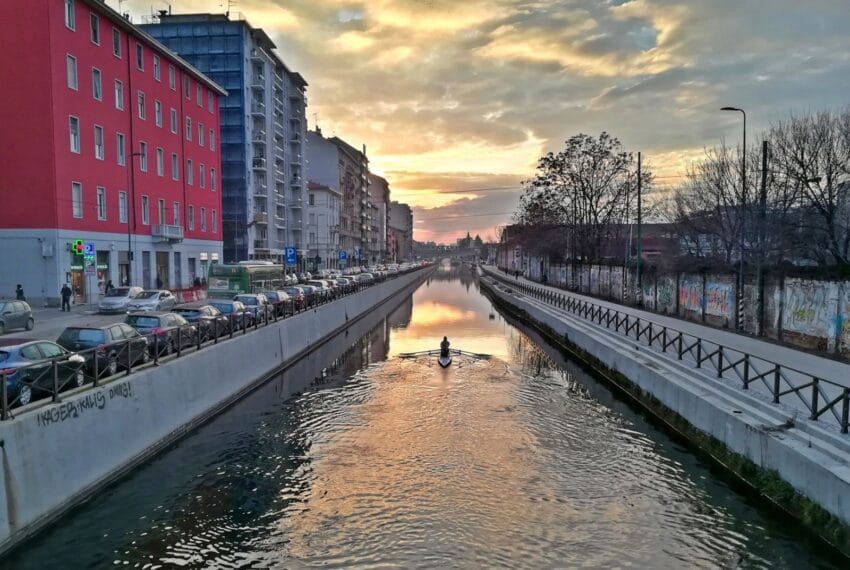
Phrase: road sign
(291, 256)
(343, 255)
(88, 249)
(91, 268)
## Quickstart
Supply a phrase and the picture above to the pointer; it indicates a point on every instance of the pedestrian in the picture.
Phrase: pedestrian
(19, 293)
(158, 282)
(545, 278)
(109, 287)
(65, 293)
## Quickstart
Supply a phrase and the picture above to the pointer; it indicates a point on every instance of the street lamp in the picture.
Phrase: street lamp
(131, 200)
(742, 213)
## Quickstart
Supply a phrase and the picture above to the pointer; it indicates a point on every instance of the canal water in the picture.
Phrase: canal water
(358, 458)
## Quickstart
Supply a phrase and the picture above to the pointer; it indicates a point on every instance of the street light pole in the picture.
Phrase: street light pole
(131, 220)
(742, 216)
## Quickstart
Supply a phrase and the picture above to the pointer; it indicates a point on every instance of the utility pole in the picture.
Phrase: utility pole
(761, 234)
(638, 277)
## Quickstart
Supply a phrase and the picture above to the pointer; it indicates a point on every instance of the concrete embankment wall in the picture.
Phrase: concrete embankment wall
(813, 461)
(56, 456)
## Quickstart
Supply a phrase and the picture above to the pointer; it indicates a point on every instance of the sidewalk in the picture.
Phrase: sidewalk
(50, 321)
(787, 357)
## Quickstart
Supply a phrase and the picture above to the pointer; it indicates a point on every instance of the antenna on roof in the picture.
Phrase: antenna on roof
(230, 4)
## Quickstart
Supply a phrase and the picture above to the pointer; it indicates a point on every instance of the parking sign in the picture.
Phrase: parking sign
(291, 256)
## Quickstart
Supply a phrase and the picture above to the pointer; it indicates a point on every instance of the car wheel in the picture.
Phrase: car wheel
(146, 357)
(112, 367)
(79, 378)
(30, 324)
(24, 395)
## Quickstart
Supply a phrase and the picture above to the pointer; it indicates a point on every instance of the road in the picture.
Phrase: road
(50, 322)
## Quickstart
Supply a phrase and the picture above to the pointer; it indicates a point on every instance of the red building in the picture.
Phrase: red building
(107, 137)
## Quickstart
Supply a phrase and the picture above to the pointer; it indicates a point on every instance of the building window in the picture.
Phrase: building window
(200, 134)
(311, 200)
(146, 220)
(214, 221)
(191, 214)
(173, 121)
(210, 104)
(143, 156)
(190, 174)
(77, 199)
(203, 219)
(156, 67)
(175, 167)
(140, 57)
(98, 142)
(161, 211)
(212, 139)
(120, 152)
(74, 128)
(199, 95)
(172, 77)
(188, 128)
(142, 113)
(116, 42)
(175, 213)
(101, 203)
(201, 174)
(160, 162)
(119, 95)
(96, 84)
(71, 69)
(186, 87)
(95, 29)
(70, 17)
(122, 207)
(212, 179)
(157, 113)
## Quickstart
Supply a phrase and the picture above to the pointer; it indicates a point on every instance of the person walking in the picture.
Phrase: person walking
(65, 293)
(109, 287)
(158, 282)
(19, 293)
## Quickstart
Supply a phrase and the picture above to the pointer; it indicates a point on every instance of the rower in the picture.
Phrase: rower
(444, 347)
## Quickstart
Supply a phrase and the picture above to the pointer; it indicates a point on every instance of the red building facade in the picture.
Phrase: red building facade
(109, 138)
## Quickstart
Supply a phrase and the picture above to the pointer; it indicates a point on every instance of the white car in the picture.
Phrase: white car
(152, 300)
(116, 300)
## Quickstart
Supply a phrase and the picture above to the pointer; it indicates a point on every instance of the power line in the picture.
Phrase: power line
(460, 216)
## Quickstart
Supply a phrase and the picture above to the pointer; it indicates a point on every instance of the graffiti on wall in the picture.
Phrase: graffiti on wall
(808, 309)
(617, 284)
(690, 294)
(719, 299)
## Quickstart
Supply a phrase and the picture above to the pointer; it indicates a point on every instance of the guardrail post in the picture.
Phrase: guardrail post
(845, 408)
(746, 372)
(199, 335)
(664, 339)
(4, 405)
(179, 340)
(776, 378)
(699, 353)
(720, 361)
(215, 331)
(96, 380)
(243, 323)
(55, 367)
(650, 333)
(814, 415)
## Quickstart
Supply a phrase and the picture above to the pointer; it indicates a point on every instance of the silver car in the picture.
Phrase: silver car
(152, 300)
(116, 300)
(15, 315)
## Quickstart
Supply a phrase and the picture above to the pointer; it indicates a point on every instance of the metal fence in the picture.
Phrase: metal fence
(49, 378)
(783, 384)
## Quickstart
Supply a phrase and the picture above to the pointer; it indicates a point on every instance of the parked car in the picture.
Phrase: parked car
(234, 311)
(321, 287)
(365, 278)
(206, 317)
(28, 367)
(166, 330)
(254, 302)
(278, 300)
(297, 296)
(344, 283)
(113, 346)
(152, 300)
(310, 293)
(116, 300)
(15, 315)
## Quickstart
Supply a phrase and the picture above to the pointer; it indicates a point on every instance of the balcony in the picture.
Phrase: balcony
(280, 222)
(295, 204)
(260, 191)
(259, 163)
(261, 244)
(261, 218)
(258, 108)
(257, 55)
(259, 136)
(258, 82)
(167, 232)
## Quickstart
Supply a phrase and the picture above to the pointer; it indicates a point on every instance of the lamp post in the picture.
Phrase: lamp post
(742, 214)
(131, 219)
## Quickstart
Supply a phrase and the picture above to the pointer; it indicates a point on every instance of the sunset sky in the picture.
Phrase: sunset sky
(456, 99)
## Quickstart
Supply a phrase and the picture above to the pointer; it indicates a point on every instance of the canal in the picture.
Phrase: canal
(355, 457)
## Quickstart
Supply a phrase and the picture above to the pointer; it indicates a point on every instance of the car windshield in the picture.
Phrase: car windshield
(224, 308)
(188, 312)
(119, 292)
(147, 295)
(142, 321)
(2, 306)
(248, 300)
(3, 356)
(80, 335)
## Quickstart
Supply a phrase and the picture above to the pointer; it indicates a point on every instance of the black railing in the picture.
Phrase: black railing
(51, 377)
(818, 395)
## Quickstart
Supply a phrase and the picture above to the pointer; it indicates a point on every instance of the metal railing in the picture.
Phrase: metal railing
(781, 383)
(49, 378)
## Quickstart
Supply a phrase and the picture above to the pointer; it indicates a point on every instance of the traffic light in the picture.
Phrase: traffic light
(77, 247)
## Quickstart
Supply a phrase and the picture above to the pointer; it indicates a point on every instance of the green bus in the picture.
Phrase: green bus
(225, 281)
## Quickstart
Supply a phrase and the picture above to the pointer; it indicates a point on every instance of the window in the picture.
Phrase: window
(201, 174)
(74, 128)
(199, 95)
(71, 69)
(96, 85)
(203, 219)
(98, 142)
(214, 221)
(161, 211)
(191, 215)
(172, 77)
(122, 207)
(160, 162)
(175, 167)
(77, 199)
(212, 139)
(156, 67)
(190, 175)
(116, 42)
(140, 57)
(70, 17)
(157, 113)
(119, 95)
(95, 29)
(142, 113)
(175, 213)
(101, 203)
(212, 179)
(188, 128)
(186, 87)
(311, 200)
(120, 151)
(173, 121)
(200, 134)
(143, 156)
(146, 220)
(210, 104)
